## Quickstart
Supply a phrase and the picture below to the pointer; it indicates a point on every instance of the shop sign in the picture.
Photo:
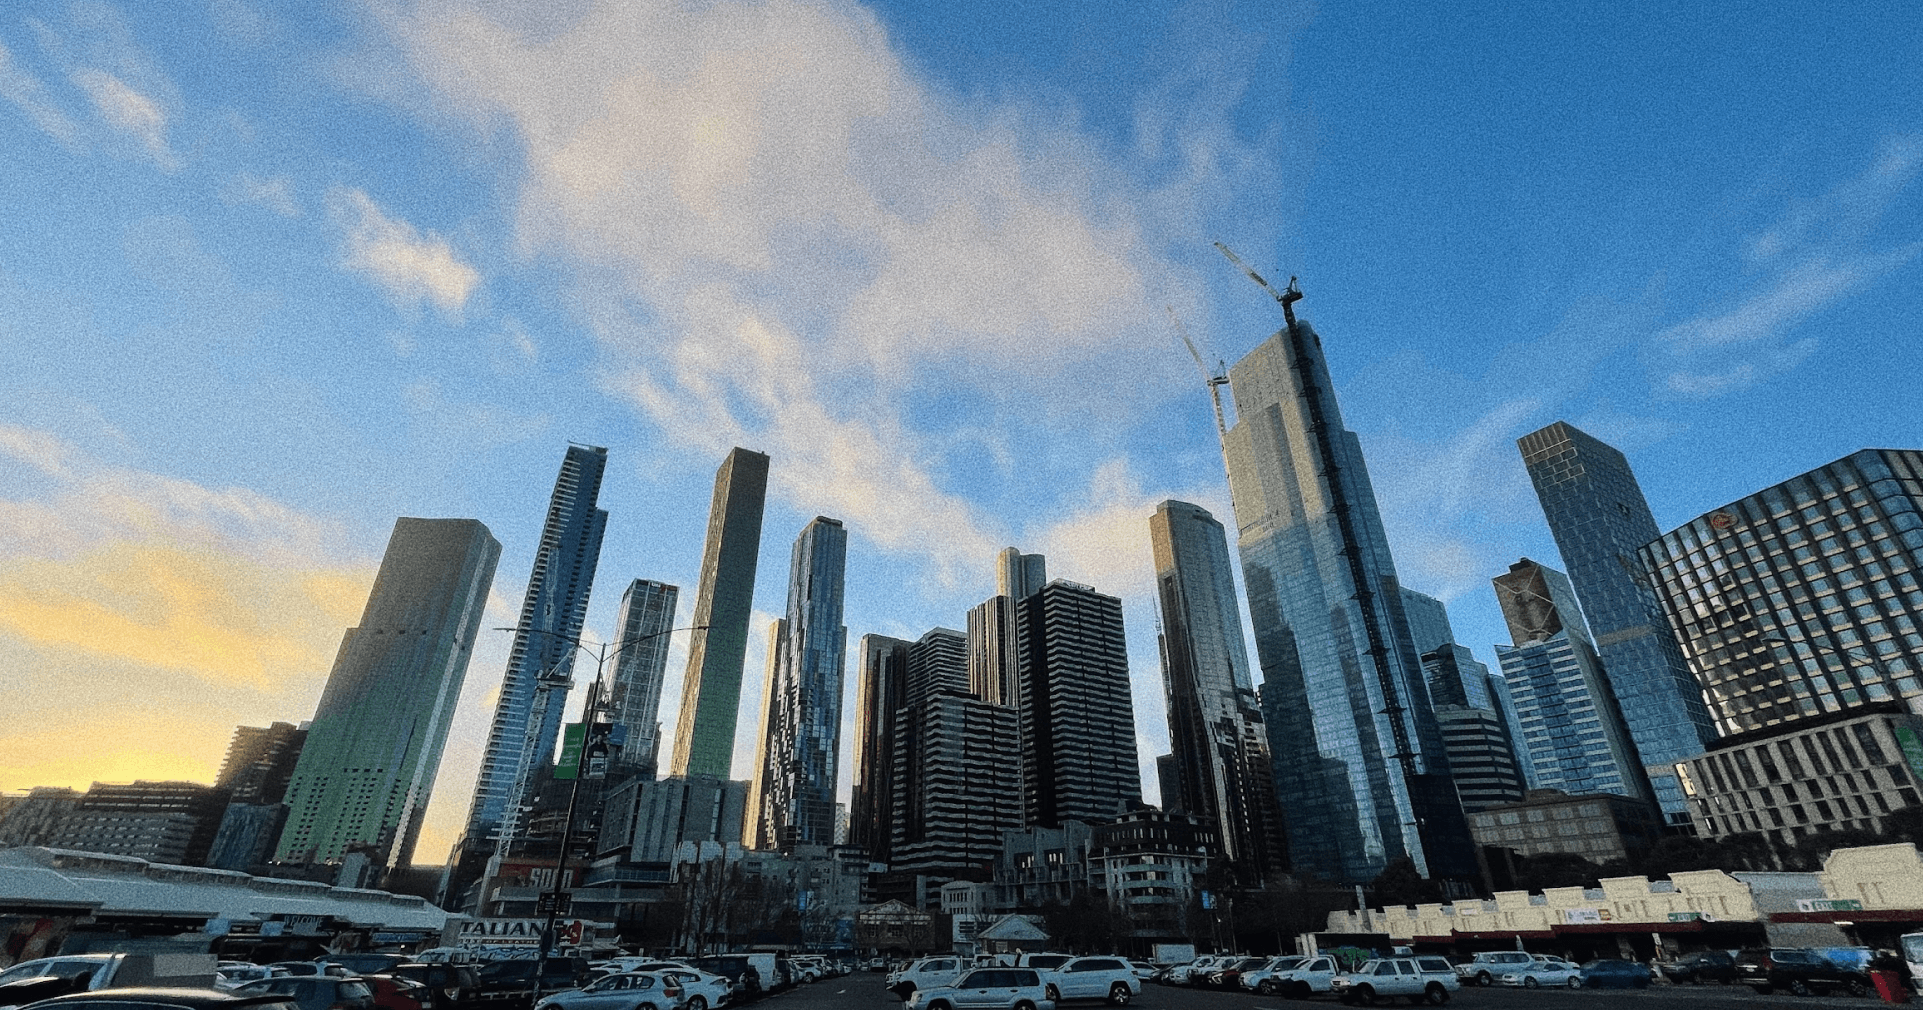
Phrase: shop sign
(1828, 905)
(522, 932)
(1585, 916)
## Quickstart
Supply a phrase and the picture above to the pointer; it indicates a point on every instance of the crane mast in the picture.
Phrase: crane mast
(1214, 379)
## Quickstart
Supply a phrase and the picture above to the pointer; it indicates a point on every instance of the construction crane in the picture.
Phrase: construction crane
(1215, 379)
(1288, 297)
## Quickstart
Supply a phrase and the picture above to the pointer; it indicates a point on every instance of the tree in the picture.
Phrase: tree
(1400, 883)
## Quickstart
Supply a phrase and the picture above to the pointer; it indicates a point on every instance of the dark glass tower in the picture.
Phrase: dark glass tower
(1076, 718)
(640, 663)
(527, 719)
(802, 736)
(723, 603)
(1598, 515)
(1359, 762)
(880, 693)
(1220, 759)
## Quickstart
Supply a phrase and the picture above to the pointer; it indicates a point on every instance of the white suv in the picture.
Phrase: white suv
(1425, 977)
(1108, 978)
(992, 987)
(926, 973)
(1292, 976)
(1182, 973)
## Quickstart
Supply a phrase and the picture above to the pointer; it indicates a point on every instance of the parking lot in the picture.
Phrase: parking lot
(863, 990)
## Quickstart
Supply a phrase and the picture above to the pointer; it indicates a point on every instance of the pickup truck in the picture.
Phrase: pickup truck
(1422, 977)
(42, 978)
(1308, 975)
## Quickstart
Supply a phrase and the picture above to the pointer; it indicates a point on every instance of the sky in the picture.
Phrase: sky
(272, 276)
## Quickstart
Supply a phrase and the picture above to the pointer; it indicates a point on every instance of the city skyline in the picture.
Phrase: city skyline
(264, 297)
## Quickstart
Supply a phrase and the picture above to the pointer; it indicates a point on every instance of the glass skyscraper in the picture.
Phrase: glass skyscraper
(1573, 735)
(1802, 600)
(723, 603)
(802, 733)
(1359, 762)
(1220, 748)
(640, 662)
(1597, 513)
(526, 719)
(368, 764)
(879, 695)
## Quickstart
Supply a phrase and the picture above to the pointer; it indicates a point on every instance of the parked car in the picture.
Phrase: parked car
(1802, 972)
(628, 990)
(1542, 971)
(312, 968)
(510, 984)
(877, 964)
(1181, 974)
(154, 998)
(47, 977)
(1308, 976)
(367, 964)
(744, 979)
(1229, 975)
(1263, 979)
(233, 974)
(925, 973)
(1611, 973)
(1144, 970)
(449, 986)
(315, 992)
(1427, 978)
(392, 992)
(1702, 966)
(1489, 965)
(1108, 978)
(1000, 988)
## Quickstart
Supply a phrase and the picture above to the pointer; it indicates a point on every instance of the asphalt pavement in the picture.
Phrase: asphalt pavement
(863, 991)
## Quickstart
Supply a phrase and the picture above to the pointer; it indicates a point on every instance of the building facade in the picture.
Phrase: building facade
(161, 822)
(1599, 518)
(1077, 717)
(374, 746)
(881, 691)
(1481, 757)
(1152, 864)
(1844, 770)
(802, 727)
(527, 717)
(260, 761)
(723, 604)
(956, 786)
(1802, 601)
(1600, 827)
(1359, 763)
(648, 820)
(1043, 865)
(640, 663)
(1219, 763)
(938, 664)
(1573, 735)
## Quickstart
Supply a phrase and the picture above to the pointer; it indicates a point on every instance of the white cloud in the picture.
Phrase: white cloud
(275, 193)
(25, 91)
(129, 111)
(397, 257)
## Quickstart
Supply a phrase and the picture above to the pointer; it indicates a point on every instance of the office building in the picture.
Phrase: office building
(540, 665)
(1840, 770)
(260, 761)
(802, 701)
(647, 820)
(640, 663)
(994, 650)
(1428, 621)
(161, 822)
(938, 664)
(723, 603)
(956, 786)
(881, 691)
(1573, 736)
(1479, 728)
(1598, 515)
(246, 836)
(1042, 865)
(1360, 768)
(374, 746)
(1220, 752)
(1801, 600)
(1077, 718)
(37, 818)
(1600, 827)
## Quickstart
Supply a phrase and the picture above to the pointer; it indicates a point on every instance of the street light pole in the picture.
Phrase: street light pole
(597, 699)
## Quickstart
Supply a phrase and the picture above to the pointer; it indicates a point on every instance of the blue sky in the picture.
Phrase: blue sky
(270, 278)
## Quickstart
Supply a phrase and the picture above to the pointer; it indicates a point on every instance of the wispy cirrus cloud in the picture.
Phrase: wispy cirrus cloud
(1816, 254)
(130, 111)
(410, 266)
(276, 193)
(30, 96)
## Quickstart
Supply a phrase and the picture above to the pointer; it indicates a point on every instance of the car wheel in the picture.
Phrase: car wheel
(1119, 993)
(940, 1005)
(1575, 982)
(697, 1002)
(904, 990)
(1485, 979)
(1437, 994)
(1300, 990)
(1857, 988)
(1052, 994)
(1797, 987)
(1266, 987)
(1365, 995)
(1024, 1005)
(1529, 982)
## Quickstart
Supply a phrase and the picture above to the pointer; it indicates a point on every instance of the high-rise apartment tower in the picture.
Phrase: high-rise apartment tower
(723, 603)
(880, 692)
(1077, 718)
(802, 732)
(640, 663)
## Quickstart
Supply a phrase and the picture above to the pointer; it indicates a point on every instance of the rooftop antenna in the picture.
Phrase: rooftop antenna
(1287, 297)
(1215, 379)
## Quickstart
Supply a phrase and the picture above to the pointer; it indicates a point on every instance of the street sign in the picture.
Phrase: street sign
(557, 904)
(568, 764)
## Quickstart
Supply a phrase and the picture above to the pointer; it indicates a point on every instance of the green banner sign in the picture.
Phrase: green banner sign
(573, 736)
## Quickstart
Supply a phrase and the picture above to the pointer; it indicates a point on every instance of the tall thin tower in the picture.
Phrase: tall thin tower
(1359, 763)
(640, 664)
(723, 603)
(802, 733)
(527, 718)
(1220, 745)
(368, 765)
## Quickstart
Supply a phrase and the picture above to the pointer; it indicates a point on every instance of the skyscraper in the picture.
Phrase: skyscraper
(640, 663)
(882, 689)
(1019, 576)
(955, 786)
(1220, 750)
(374, 746)
(803, 723)
(937, 664)
(1359, 763)
(1802, 601)
(1077, 718)
(1598, 515)
(723, 602)
(527, 718)
(259, 762)
(1574, 738)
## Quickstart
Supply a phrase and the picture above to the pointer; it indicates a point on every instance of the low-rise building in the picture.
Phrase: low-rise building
(1038, 865)
(1848, 769)
(1599, 827)
(1151, 864)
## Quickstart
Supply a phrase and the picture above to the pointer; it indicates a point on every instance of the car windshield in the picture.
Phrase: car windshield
(1048, 961)
(1285, 963)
